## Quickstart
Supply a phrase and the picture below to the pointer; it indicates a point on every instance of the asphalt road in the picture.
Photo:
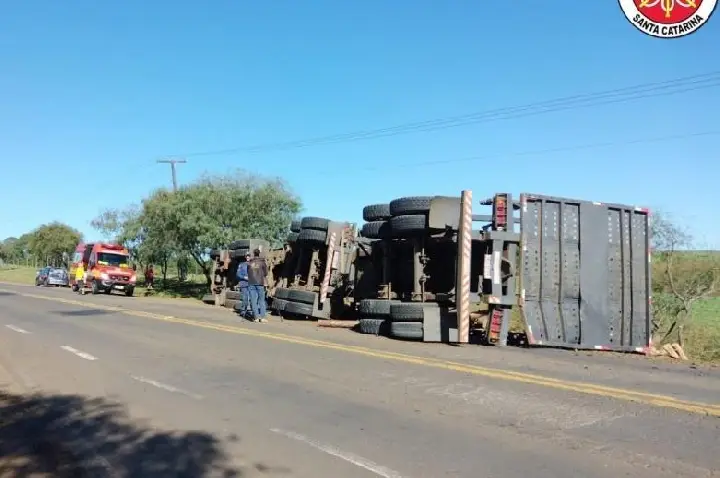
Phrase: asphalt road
(131, 387)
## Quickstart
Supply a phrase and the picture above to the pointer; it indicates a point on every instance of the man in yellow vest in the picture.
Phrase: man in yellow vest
(80, 277)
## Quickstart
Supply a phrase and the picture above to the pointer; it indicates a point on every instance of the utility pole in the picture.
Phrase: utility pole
(172, 163)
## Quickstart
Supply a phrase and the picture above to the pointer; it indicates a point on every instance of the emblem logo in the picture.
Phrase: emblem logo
(668, 18)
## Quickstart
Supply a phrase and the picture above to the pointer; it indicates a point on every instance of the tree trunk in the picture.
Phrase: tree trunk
(206, 270)
(164, 270)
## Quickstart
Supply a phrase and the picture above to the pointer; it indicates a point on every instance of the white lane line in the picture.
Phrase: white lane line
(79, 353)
(336, 452)
(17, 329)
(166, 387)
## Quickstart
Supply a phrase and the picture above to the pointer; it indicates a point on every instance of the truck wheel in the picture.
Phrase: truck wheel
(292, 237)
(312, 236)
(376, 230)
(94, 288)
(129, 291)
(409, 311)
(281, 293)
(278, 305)
(239, 244)
(406, 330)
(376, 212)
(373, 326)
(297, 308)
(410, 205)
(375, 308)
(316, 223)
(302, 296)
(238, 253)
(410, 225)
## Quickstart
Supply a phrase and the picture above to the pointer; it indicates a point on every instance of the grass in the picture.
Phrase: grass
(702, 334)
(17, 274)
(193, 288)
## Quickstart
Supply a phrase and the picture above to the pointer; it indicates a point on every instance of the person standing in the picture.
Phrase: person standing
(150, 277)
(242, 277)
(80, 277)
(257, 272)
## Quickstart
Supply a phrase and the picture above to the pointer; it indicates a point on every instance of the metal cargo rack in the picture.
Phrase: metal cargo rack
(581, 270)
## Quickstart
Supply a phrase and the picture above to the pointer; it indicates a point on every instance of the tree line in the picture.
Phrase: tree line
(48, 244)
(176, 227)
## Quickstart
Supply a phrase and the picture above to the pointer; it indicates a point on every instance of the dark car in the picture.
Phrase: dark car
(54, 276)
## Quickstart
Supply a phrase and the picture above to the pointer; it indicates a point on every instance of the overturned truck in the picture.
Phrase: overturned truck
(578, 270)
(224, 290)
(317, 276)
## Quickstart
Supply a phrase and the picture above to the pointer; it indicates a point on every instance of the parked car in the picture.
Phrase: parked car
(52, 276)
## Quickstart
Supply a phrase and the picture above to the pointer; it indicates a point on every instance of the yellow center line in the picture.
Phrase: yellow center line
(646, 398)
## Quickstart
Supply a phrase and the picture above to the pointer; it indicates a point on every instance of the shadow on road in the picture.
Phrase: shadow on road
(72, 436)
(83, 312)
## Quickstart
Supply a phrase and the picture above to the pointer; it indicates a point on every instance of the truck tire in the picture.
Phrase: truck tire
(208, 299)
(373, 326)
(410, 205)
(312, 236)
(316, 223)
(298, 309)
(410, 225)
(406, 330)
(364, 248)
(376, 212)
(239, 253)
(232, 294)
(129, 291)
(291, 238)
(279, 305)
(302, 296)
(375, 307)
(295, 225)
(281, 293)
(376, 230)
(239, 244)
(409, 311)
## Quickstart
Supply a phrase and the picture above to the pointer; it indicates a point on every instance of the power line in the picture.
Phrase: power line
(172, 163)
(614, 96)
(539, 152)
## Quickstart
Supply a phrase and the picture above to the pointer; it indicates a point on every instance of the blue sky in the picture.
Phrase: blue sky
(92, 93)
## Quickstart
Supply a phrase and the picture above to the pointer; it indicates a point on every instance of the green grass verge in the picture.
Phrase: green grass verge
(17, 274)
(193, 288)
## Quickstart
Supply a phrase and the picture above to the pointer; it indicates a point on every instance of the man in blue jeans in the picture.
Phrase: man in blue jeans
(242, 277)
(257, 271)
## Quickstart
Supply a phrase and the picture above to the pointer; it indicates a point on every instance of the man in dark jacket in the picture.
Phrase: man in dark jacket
(257, 271)
(242, 277)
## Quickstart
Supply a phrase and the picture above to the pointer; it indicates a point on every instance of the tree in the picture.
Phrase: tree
(54, 242)
(686, 277)
(122, 226)
(215, 210)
